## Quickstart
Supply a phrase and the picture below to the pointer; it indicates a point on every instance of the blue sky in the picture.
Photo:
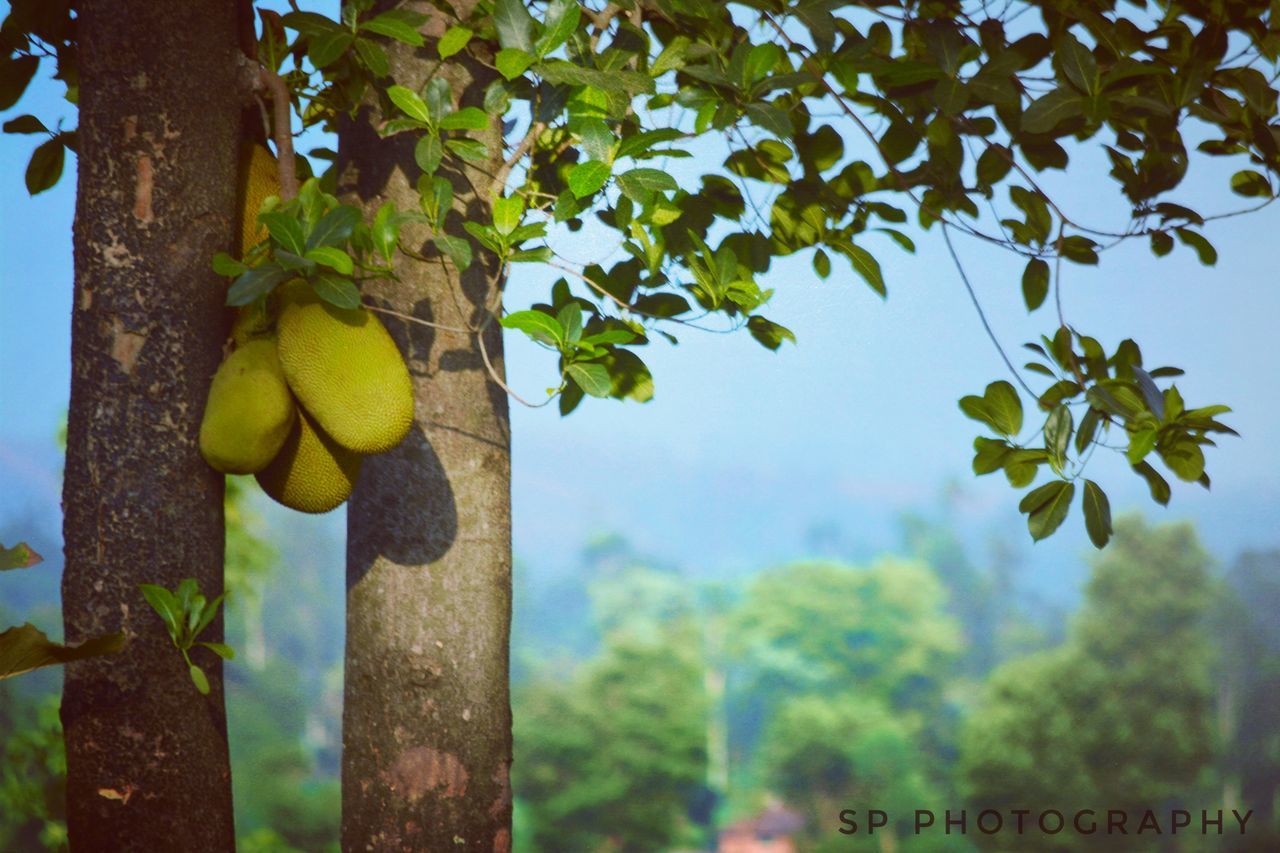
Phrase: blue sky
(743, 450)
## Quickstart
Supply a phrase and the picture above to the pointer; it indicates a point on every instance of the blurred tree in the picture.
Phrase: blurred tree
(616, 757)
(1121, 717)
(824, 752)
(33, 774)
(1249, 689)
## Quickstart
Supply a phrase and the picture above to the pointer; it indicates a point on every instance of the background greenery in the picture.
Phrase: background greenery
(654, 709)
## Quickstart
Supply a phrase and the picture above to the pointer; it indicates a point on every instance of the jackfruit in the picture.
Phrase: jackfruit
(312, 472)
(258, 179)
(249, 410)
(345, 370)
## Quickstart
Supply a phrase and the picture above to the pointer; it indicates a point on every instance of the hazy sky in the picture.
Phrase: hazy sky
(743, 450)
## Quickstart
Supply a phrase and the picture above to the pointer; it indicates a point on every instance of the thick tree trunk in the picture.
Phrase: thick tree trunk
(147, 762)
(426, 718)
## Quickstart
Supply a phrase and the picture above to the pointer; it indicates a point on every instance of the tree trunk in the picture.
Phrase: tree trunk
(426, 715)
(147, 762)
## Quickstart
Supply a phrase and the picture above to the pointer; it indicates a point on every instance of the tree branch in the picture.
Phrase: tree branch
(282, 116)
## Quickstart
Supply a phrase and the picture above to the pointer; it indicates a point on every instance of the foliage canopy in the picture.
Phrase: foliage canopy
(838, 122)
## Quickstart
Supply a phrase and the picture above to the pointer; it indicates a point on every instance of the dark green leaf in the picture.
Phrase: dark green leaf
(222, 650)
(1035, 283)
(328, 47)
(15, 74)
(26, 647)
(468, 118)
(1158, 485)
(25, 124)
(562, 19)
(1047, 507)
(409, 102)
(224, 264)
(1246, 183)
(1204, 249)
(373, 57)
(1048, 112)
(257, 282)
(46, 166)
(768, 333)
(1097, 514)
(286, 231)
(336, 290)
(334, 228)
(514, 24)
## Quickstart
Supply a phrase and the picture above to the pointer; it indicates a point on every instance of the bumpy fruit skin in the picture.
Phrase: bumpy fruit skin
(312, 472)
(249, 412)
(258, 179)
(345, 370)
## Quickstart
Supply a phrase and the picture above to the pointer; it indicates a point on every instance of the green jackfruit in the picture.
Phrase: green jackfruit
(345, 370)
(258, 179)
(249, 410)
(312, 472)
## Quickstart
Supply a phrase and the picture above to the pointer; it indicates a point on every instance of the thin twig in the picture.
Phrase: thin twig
(982, 315)
(535, 129)
(408, 318)
(493, 374)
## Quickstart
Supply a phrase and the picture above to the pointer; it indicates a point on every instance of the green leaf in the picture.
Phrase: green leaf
(1035, 283)
(587, 178)
(1057, 436)
(285, 230)
(540, 326)
(592, 378)
(1204, 249)
(638, 184)
(454, 40)
(511, 62)
(468, 118)
(1078, 64)
(334, 228)
(1088, 428)
(570, 319)
(1047, 507)
(26, 647)
(373, 57)
(1048, 112)
(561, 21)
(1020, 466)
(409, 102)
(998, 407)
(1185, 459)
(326, 48)
(391, 26)
(167, 605)
(333, 258)
(46, 166)
(225, 265)
(468, 149)
(428, 153)
(15, 74)
(865, 265)
(222, 650)
(336, 290)
(507, 213)
(989, 455)
(20, 556)
(768, 333)
(1158, 485)
(1247, 183)
(199, 679)
(1097, 514)
(514, 24)
(25, 124)
(257, 282)
(386, 230)
(457, 249)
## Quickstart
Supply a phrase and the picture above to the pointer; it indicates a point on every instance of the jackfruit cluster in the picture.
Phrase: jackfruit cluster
(309, 389)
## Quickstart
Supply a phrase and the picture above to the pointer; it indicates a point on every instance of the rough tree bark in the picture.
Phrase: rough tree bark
(426, 717)
(147, 761)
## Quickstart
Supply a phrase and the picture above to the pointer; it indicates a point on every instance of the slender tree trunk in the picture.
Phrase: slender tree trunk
(426, 715)
(147, 763)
